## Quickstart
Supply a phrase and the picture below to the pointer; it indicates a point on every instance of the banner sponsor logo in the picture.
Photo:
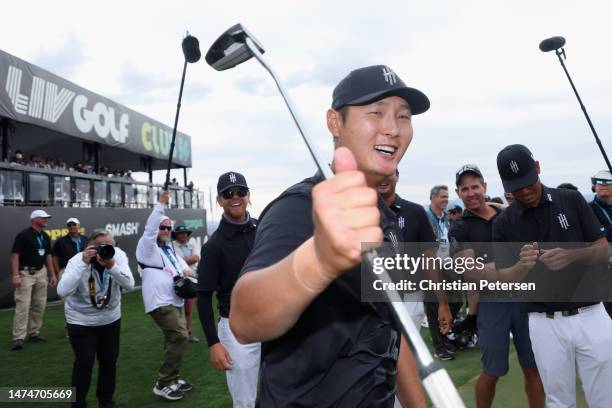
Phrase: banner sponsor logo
(44, 101)
(123, 229)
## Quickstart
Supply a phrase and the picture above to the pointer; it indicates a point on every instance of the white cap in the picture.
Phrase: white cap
(603, 175)
(39, 214)
(75, 220)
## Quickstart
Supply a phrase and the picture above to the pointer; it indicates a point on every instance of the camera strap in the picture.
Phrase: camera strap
(172, 258)
(92, 289)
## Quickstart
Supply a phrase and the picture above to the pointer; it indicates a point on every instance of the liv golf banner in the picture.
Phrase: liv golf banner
(32, 95)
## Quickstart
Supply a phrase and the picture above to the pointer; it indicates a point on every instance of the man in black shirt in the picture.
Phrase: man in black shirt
(602, 207)
(30, 262)
(68, 246)
(495, 320)
(565, 335)
(415, 227)
(222, 258)
(300, 289)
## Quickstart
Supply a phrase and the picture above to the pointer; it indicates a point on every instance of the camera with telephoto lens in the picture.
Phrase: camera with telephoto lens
(105, 251)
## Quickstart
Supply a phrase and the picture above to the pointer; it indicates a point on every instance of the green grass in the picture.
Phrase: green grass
(50, 364)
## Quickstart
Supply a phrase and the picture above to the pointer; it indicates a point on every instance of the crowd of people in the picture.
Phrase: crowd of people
(293, 329)
(51, 163)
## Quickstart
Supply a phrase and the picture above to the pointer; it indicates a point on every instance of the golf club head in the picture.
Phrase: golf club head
(230, 48)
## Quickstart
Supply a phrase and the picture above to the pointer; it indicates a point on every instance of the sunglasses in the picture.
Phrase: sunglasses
(241, 192)
(602, 182)
(165, 227)
(71, 224)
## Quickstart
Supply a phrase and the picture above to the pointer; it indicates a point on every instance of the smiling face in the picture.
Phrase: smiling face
(472, 191)
(234, 207)
(377, 134)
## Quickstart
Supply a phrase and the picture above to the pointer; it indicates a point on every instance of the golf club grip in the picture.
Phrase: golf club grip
(438, 384)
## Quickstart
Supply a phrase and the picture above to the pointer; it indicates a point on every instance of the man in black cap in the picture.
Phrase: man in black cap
(300, 292)
(495, 320)
(222, 258)
(565, 335)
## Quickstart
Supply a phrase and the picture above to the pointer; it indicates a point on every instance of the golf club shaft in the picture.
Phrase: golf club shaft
(586, 115)
(435, 379)
(323, 168)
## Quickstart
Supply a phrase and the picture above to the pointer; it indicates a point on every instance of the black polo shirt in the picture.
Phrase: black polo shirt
(561, 216)
(27, 244)
(470, 229)
(222, 258)
(65, 248)
(341, 352)
(412, 222)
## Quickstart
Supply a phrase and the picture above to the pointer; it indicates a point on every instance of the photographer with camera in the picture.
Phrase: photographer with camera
(165, 283)
(91, 287)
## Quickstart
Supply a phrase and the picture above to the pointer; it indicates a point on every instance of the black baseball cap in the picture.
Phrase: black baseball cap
(516, 167)
(465, 169)
(369, 84)
(229, 180)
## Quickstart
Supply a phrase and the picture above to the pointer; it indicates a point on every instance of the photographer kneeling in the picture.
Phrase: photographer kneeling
(91, 286)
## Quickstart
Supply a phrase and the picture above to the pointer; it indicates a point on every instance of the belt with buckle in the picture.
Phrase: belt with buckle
(31, 269)
(570, 312)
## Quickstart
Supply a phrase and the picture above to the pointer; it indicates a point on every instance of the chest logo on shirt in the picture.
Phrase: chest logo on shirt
(401, 222)
(394, 241)
(514, 167)
(232, 177)
(563, 221)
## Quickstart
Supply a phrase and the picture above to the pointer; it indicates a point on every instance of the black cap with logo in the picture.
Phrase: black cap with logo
(467, 169)
(229, 180)
(516, 167)
(369, 84)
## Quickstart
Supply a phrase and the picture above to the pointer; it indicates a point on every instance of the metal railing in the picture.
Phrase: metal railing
(33, 186)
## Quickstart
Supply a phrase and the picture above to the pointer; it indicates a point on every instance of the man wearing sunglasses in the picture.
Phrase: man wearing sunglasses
(602, 207)
(159, 265)
(222, 258)
(68, 246)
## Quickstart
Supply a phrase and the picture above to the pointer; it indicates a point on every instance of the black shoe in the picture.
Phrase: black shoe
(37, 338)
(108, 405)
(169, 392)
(443, 354)
(467, 324)
(450, 347)
(184, 386)
(17, 345)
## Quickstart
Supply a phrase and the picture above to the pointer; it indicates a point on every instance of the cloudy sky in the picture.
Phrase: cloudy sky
(478, 61)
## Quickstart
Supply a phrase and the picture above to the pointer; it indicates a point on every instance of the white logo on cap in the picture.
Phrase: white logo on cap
(563, 221)
(232, 177)
(514, 167)
(389, 75)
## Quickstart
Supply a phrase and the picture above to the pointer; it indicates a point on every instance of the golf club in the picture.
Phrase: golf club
(191, 51)
(556, 44)
(235, 46)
